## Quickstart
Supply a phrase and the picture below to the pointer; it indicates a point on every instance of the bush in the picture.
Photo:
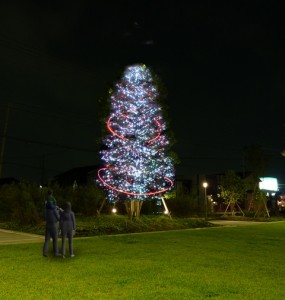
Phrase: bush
(21, 202)
(24, 202)
(116, 224)
(184, 205)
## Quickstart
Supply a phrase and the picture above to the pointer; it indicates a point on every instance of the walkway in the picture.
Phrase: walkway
(13, 237)
(235, 223)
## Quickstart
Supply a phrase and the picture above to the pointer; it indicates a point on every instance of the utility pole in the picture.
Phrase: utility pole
(43, 170)
(4, 138)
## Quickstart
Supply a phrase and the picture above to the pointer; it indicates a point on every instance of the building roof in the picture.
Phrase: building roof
(78, 174)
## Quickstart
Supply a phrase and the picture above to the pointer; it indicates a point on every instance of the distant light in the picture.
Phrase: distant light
(268, 184)
(114, 210)
(205, 184)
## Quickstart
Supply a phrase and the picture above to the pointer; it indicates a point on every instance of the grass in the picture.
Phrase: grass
(210, 263)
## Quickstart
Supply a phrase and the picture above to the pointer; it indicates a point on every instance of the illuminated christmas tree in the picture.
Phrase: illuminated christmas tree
(136, 165)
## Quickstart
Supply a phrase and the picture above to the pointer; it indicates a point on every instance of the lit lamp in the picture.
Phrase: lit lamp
(205, 185)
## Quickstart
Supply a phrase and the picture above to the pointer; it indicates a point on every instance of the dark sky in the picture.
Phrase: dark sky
(223, 67)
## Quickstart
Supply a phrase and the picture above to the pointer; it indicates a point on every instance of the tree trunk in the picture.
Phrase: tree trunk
(262, 208)
(232, 208)
(133, 208)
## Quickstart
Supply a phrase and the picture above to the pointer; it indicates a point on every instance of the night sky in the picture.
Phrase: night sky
(223, 67)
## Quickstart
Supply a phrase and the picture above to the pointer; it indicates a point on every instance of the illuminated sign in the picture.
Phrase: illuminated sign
(268, 184)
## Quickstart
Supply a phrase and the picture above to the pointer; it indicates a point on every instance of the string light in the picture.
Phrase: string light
(135, 156)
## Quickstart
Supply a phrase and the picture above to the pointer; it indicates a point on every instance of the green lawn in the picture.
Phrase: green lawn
(211, 263)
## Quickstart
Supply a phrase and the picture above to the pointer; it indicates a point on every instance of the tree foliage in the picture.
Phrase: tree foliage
(135, 156)
(104, 111)
(23, 202)
(233, 188)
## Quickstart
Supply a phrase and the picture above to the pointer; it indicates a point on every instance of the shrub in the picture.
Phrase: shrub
(21, 202)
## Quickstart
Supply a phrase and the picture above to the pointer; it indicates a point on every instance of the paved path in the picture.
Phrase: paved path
(13, 237)
(235, 223)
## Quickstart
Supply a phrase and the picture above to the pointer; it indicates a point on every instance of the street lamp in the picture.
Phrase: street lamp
(205, 185)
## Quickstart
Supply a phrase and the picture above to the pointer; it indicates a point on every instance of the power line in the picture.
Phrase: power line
(29, 166)
(212, 157)
(60, 116)
(53, 145)
(33, 157)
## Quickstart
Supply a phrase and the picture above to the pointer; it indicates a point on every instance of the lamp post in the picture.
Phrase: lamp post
(205, 185)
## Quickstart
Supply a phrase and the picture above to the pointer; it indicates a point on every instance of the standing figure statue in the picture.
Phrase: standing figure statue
(68, 227)
(52, 217)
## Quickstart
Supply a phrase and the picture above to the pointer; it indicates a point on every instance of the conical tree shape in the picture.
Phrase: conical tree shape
(136, 165)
